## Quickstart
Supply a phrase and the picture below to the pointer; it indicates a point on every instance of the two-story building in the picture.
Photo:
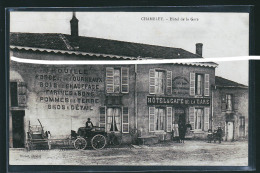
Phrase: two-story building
(230, 108)
(123, 99)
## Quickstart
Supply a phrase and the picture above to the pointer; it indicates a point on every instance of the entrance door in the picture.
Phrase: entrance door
(18, 129)
(180, 116)
(230, 131)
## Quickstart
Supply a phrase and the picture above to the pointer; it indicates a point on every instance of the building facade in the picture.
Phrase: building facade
(120, 98)
(231, 109)
(124, 99)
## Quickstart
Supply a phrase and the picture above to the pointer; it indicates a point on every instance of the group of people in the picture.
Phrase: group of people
(216, 135)
(179, 131)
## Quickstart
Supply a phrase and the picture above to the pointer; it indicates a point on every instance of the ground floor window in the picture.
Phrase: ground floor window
(242, 126)
(160, 119)
(114, 119)
(199, 117)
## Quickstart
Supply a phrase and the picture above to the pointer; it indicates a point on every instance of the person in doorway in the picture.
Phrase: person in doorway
(219, 134)
(176, 131)
(89, 125)
(188, 129)
(182, 131)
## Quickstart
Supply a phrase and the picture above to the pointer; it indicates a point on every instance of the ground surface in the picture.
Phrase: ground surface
(197, 153)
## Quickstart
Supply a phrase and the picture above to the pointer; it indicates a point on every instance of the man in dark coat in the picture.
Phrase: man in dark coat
(182, 131)
(89, 124)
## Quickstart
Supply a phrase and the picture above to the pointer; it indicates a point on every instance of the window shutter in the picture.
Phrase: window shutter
(192, 84)
(169, 119)
(192, 117)
(152, 81)
(169, 82)
(102, 117)
(125, 120)
(223, 103)
(124, 80)
(206, 119)
(151, 119)
(173, 115)
(21, 90)
(235, 102)
(206, 83)
(110, 79)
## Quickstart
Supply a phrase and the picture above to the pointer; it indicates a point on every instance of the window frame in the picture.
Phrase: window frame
(231, 101)
(202, 83)
(202, 119)
(110, 85)
(166, 81)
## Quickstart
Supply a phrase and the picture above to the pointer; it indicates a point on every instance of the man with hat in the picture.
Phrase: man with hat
(89, 125)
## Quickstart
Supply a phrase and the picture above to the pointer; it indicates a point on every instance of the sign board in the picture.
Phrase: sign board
(152, 100)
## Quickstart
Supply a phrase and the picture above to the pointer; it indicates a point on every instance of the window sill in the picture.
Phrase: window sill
(159, 132)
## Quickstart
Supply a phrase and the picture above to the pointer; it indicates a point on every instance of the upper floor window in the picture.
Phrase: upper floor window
(117, 80)
(160, 81)
(227, 102)
(199, 84)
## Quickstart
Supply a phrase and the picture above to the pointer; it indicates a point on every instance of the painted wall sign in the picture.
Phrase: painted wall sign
(152, 100)
(68, 88)
(180, 86)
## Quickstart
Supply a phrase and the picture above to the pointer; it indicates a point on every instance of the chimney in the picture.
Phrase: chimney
(199, 48)
(74, 27)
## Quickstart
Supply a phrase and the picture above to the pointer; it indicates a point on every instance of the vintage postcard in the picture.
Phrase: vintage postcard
(65, 111)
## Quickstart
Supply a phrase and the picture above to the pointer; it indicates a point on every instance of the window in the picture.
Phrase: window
(160, 119)
(227, 102)
(117, 80)
(229, 105)
(242, 126)
(160, 82)
(199, 118)
(199, 84)
(242, 121)
(114, 119)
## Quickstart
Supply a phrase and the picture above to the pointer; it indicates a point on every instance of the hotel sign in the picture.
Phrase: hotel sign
(152, 100)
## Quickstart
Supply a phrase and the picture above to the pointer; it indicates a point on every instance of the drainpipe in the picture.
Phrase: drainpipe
(136, 96)
(212, 106)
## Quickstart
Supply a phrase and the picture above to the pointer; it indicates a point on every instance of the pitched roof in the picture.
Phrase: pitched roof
(66, 42)
(222, 82)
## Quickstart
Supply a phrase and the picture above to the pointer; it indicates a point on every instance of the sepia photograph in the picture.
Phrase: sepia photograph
(65, 110)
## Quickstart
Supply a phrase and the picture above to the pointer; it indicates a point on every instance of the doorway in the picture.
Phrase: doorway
(230, 131)
(180, 116)
(18, 128)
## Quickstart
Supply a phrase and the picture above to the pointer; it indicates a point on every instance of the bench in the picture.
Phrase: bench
(146, 137)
